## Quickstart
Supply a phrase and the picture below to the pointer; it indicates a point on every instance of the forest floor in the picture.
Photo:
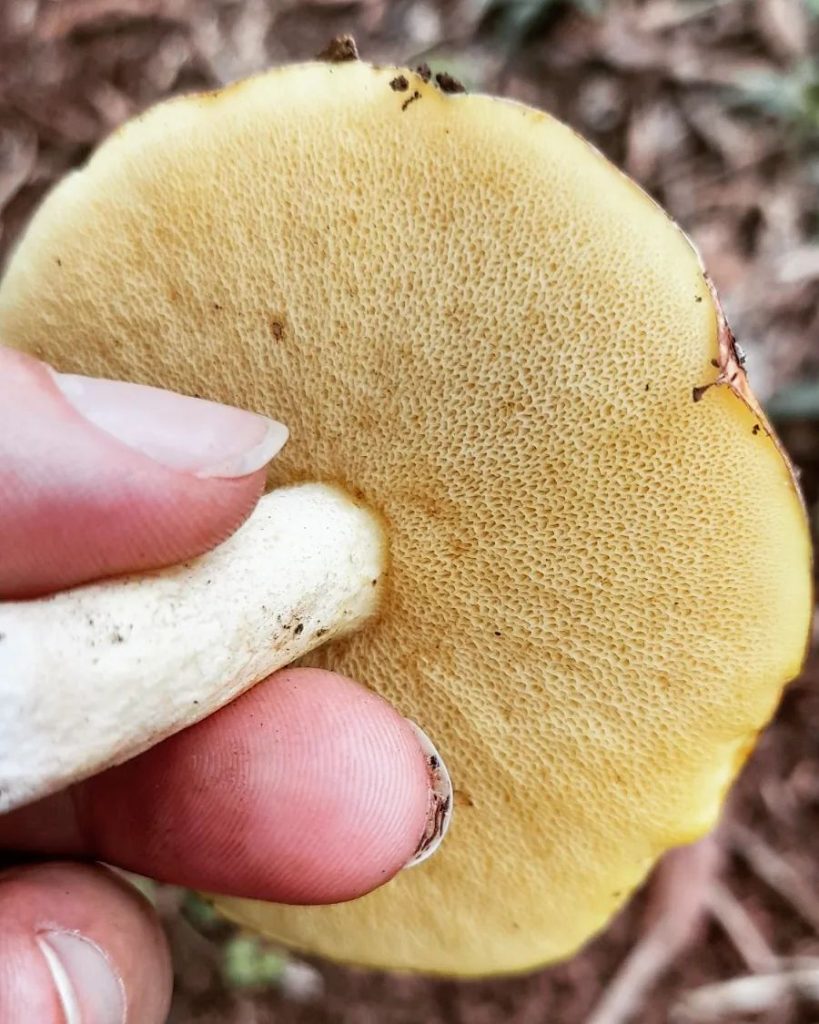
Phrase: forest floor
(713, 106)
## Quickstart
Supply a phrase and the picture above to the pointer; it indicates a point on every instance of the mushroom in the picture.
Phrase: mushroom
(476, 327)
(140, 658)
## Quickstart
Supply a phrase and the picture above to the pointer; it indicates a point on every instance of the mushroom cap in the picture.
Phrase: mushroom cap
(600, 574)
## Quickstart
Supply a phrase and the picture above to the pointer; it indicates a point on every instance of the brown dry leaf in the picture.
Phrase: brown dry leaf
(783, 27)
(59, 20)
(601, 102)
(740, 142)
(74, 122)
(329, 3)
(662, 15)
(239, 45)
(716, 241)
(622, 41)
(656, 138)
(689, 65)
(575, 41)
(112, 105)
(18, 156)
(171, 56)
(799, 265)
(783, 215)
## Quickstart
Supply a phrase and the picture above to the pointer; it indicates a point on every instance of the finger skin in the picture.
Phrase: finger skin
(89, 901)
(77, 505)
(307, 789)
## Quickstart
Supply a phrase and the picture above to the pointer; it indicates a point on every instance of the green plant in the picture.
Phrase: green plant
(249, 963)
(791, 96)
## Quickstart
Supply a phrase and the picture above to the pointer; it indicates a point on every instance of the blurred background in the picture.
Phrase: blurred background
(713, 106)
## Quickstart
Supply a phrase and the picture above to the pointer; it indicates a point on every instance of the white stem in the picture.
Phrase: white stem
(92, 676)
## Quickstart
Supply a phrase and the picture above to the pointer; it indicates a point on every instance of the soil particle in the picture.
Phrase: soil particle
(399, 84)
(415, 96)
(339, 50)
(424, 72)
(448, 84)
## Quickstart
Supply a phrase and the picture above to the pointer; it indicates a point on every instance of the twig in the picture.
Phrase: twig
(737, 924)
(663, 17)
(747, 995)
(777, 873)
(678, 900)
(640, 971)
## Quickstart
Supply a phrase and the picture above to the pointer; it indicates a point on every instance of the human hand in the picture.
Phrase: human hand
(307, 789)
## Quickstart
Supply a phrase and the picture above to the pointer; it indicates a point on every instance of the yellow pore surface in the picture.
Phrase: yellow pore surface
(465, 315)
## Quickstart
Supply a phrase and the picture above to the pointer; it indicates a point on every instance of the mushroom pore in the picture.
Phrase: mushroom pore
(471, 322)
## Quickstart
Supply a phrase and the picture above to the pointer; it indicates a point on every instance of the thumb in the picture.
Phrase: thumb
(102, 477)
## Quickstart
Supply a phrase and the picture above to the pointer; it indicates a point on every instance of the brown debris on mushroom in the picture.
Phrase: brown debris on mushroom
(446, 83)
(339, 50)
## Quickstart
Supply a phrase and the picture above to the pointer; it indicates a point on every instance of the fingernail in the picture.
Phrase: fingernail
(88, 987)
(189, 434)
(439, 808)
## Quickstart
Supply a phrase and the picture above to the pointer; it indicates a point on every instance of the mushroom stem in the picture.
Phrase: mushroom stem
(92, 676)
